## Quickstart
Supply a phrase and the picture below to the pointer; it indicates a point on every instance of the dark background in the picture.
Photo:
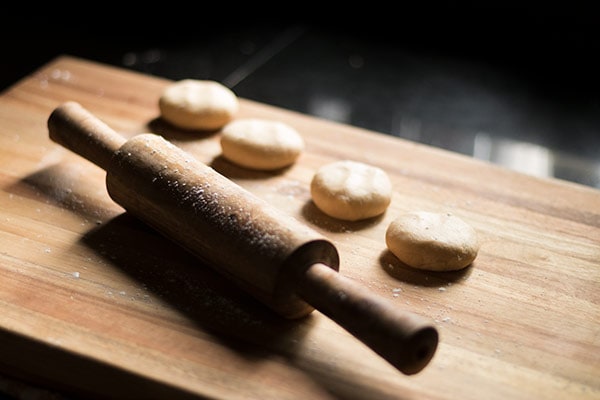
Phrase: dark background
(516, 85)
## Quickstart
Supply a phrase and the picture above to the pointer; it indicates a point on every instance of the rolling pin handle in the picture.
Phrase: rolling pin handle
(75, 128)
(405, 340)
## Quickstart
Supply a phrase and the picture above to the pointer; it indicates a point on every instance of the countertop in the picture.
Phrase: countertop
(96, 304)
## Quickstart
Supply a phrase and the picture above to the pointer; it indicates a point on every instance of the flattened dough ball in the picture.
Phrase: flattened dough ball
(198, 104)
(432, 241)
(261, 144)
(351, 190)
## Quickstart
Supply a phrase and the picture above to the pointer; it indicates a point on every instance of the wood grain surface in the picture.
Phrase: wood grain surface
(95, 304)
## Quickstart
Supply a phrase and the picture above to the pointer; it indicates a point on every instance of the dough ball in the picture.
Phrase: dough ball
(351, 190)
(261, 144)
(432, 241)
(198, 104)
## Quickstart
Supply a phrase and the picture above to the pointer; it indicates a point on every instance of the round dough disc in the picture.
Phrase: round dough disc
(198, 104)
(351, 190)
(432, 241)
(261, 144)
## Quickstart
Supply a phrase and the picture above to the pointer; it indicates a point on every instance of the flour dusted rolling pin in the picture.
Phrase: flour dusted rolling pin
(282, 262)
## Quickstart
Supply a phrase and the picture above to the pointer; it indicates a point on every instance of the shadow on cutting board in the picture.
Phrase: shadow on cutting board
(399, 270)
(209, 300)
(170, 132)
(313, 215)
(215, 305)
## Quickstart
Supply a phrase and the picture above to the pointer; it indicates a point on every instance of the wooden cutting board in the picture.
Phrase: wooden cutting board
(93, 302)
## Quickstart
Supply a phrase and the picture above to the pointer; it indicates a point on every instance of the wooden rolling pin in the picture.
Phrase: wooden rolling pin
(282, 262)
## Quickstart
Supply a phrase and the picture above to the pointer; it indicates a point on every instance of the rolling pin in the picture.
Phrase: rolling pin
(282, 262)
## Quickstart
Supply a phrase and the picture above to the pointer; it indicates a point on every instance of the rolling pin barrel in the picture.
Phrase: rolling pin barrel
(282, 262)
